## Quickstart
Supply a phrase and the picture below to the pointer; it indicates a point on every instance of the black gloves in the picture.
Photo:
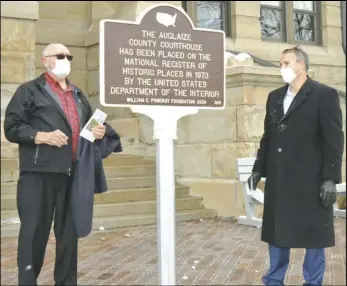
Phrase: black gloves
(328, 193)
(253, 180)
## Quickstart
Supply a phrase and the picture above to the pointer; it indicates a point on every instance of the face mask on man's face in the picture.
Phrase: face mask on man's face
(288, 75)
(62, 68)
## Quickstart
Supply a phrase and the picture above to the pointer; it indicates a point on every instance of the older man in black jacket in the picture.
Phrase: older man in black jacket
(300, 156)
(45, 117)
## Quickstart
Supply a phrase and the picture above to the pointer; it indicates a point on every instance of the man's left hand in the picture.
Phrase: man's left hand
(328, 193)
(99, 131)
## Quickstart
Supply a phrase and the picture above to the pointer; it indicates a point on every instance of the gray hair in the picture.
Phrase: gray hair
(300, 55)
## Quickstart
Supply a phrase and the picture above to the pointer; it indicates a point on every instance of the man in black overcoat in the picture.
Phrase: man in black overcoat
(300, 156)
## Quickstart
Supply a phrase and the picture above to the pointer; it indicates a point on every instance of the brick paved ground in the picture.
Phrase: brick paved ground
(228, 254)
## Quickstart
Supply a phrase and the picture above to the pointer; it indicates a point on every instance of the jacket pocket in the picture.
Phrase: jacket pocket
(36, 153)
(43, 154)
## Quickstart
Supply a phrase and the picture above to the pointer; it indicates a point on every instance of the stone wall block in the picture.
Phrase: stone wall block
(13, 67)
(193, 160)
(224, 158)
(212, 126)
(17, 35)
(250, 122)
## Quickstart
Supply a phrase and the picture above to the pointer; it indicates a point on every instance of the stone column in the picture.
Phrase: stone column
(245, 20)
(331, 25)
(17, 46)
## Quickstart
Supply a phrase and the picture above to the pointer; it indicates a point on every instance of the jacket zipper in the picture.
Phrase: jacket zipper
(36, 153)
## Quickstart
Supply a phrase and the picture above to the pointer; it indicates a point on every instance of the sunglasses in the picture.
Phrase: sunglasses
(62, 56)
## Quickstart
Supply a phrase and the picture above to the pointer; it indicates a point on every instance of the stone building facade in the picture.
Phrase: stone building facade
(209, 142)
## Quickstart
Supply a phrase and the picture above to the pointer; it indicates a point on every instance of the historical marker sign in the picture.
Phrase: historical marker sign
(161, 60)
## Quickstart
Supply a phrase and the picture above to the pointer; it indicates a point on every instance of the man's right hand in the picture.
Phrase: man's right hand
(55, 138)
(253, 180)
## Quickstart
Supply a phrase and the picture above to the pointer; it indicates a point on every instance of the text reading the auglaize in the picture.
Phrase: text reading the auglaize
(165, 68)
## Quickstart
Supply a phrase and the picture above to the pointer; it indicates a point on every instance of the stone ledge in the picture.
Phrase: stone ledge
(252, 70)
(271, 51)
(253, 79)
(257, 70)
(20, 9)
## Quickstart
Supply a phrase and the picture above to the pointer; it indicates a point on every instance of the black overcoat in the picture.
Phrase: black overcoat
(297, 152)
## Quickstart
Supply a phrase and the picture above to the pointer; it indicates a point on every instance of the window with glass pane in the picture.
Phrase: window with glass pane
(272, 20)
(304, 19)
(212, 15)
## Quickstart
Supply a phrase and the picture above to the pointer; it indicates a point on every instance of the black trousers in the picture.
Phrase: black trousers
(40, 198)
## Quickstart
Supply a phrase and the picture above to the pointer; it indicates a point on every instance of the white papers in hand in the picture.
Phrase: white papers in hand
(98, 117)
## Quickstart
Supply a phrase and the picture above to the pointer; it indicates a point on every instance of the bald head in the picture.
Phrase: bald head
(56, 59)
(55, 49)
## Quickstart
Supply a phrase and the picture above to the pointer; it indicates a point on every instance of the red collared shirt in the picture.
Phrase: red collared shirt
(69, 107)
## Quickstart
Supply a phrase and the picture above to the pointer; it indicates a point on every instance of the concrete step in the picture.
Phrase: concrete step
(148, 169)
(128, 160)
(111, 161)
(111, 223)
(132, 195)
(112, 183)
(116, 202)
(131, 182)
(8, 176)
(9, 202)
(143, 207)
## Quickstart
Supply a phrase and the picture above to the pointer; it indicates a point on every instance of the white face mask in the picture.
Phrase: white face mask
(62, 68)
(288, 75)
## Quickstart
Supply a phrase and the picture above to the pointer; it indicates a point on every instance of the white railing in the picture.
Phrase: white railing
(252, 198)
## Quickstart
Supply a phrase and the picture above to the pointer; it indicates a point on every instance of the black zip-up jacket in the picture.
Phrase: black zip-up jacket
(33, 108)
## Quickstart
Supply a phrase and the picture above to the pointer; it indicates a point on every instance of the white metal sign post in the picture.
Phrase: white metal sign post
(165, 124)
(162, 67)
